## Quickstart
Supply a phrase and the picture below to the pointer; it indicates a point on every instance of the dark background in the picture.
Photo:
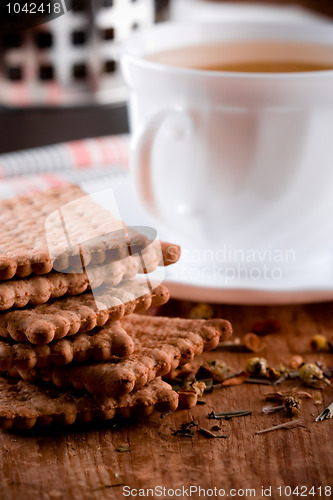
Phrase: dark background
(26, 128)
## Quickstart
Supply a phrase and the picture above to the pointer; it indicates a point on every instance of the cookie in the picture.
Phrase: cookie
(34, 290)
(24, 405)
(67, 316)
(64, 228)
(103, 345)
(160, 345)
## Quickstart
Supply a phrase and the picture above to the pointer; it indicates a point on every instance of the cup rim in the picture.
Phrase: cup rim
(319, 33)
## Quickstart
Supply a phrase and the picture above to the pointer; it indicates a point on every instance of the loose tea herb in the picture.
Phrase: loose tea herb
(290, 404)
(220, 370)
(279, 396)
(210, 434)
(287, 425)
(256, 367)
(327, 370)
(295, 362)
(287, 375)
(123, 448)
(312, 375)
(250, 343)
(319, 343)
(318, 399)
(185, 429)
(228, 415)
(326, 414)
(166, 414)
(238, 379)
(260, 381)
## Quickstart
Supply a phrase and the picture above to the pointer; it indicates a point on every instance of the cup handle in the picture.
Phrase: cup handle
(141, 151)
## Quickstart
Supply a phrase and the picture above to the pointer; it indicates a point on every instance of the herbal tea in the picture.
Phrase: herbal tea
(258, 57)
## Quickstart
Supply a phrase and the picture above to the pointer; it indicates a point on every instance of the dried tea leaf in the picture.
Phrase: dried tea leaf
(210, 434)
(123, 448)
(318, 399)
(295, 362)
(287, 425)
(238, 380)
(185, 429)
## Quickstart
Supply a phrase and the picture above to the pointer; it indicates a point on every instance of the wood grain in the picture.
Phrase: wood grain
(83, 462)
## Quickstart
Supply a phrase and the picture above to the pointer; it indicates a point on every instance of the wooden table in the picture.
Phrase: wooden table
(83, 463)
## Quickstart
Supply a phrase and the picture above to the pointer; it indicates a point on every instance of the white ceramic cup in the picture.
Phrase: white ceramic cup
(242, 159)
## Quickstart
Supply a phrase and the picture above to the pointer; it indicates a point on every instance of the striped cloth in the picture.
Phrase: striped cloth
(89, 160)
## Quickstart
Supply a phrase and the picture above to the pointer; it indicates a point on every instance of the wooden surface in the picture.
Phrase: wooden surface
(83, 463)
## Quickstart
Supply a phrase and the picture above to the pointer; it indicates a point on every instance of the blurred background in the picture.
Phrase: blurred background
(60, 80)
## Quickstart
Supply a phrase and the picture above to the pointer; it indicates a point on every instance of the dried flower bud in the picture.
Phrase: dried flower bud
(256, 366)
(187, 399)
(318, 399)
(295, 362)
(219, 369)
(281, 369)
(281, 396)
(252, 342)
(199, 387)
(311, 374)
(273, 373)
(202, 311)
(319, 343)
(292, 405)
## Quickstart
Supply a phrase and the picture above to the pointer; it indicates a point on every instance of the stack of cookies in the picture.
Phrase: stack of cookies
(72, 344)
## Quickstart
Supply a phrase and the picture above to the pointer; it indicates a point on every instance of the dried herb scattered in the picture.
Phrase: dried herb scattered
(210, 434)
(286, 425)
(123, 448)
(318, 399)
(185, 429)
(256, 367)
(319, 343)
(326, 414)
(290, 404)
(327, 370)
(228, 415)
(278, 397)
(259, 381)
(216, 428)
(239, 379)
(209, 385)
(166, 414)
(287, 375)
(252, 342)
(295, 362)
(311, 375)
(234, 345)
(220, 370)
